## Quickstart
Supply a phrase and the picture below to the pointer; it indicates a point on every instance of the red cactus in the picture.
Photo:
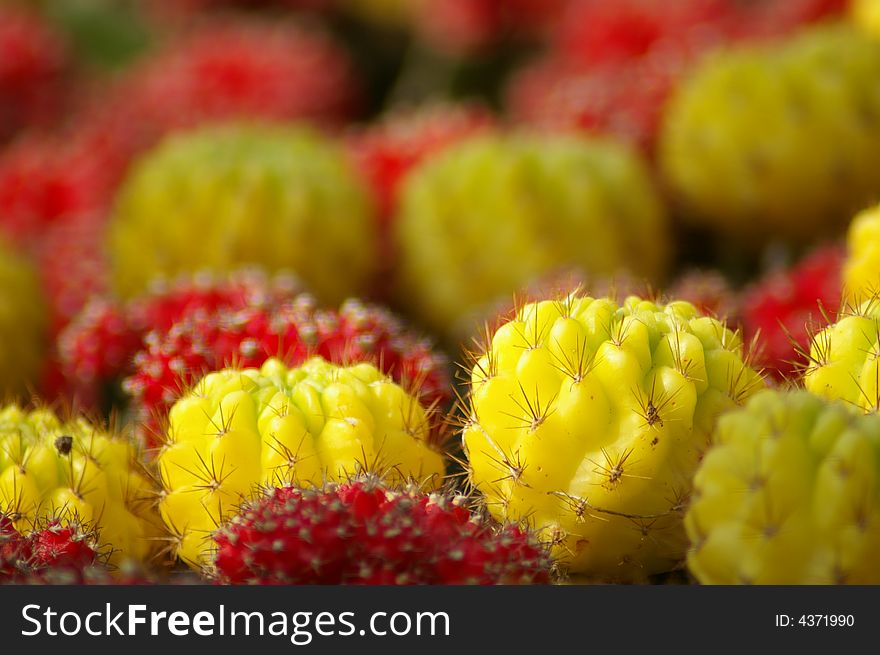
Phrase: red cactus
(50, 549)
(97, 348)
(200, 343)
(781, 308)
(362, 533)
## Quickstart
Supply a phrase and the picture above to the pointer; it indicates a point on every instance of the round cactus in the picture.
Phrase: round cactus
(787, 495)
(23, 324)
(360, 532)
(588, 418)
(239, 429)
(226, 196)
(495, 212)
(777, 140)
(844, 358)
(73, 472)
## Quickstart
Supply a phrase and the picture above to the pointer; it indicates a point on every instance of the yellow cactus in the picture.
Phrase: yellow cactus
(788, 494)
(72, 471)
(488, 216)
(777, 140)
(588, 418)
(218, 198)
(844, 358)
(239, 429)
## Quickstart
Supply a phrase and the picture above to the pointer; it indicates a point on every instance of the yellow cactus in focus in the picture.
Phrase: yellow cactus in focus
(240, 429)
(844, 358)
(74, 472)
(588, 418)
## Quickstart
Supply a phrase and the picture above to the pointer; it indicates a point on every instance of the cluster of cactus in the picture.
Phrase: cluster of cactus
(208, 255)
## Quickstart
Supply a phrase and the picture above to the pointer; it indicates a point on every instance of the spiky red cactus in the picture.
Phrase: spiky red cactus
(620, 99)
(363, 533)
(62, 546)
(781, 309)
(97, 348)
(204, 342)
(203, 293)
(49, 549)
(57, 554)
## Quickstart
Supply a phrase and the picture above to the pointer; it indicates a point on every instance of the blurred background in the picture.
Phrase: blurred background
(713, 150)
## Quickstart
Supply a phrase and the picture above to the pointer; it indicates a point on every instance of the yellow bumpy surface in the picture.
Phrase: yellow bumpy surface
(845, 358)
(788, 494)
(487, 217)
(23, 324)
(778, 140)
(588, 418)
(240, 429)
(861, 270)
(221, 197)
(72, 471)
